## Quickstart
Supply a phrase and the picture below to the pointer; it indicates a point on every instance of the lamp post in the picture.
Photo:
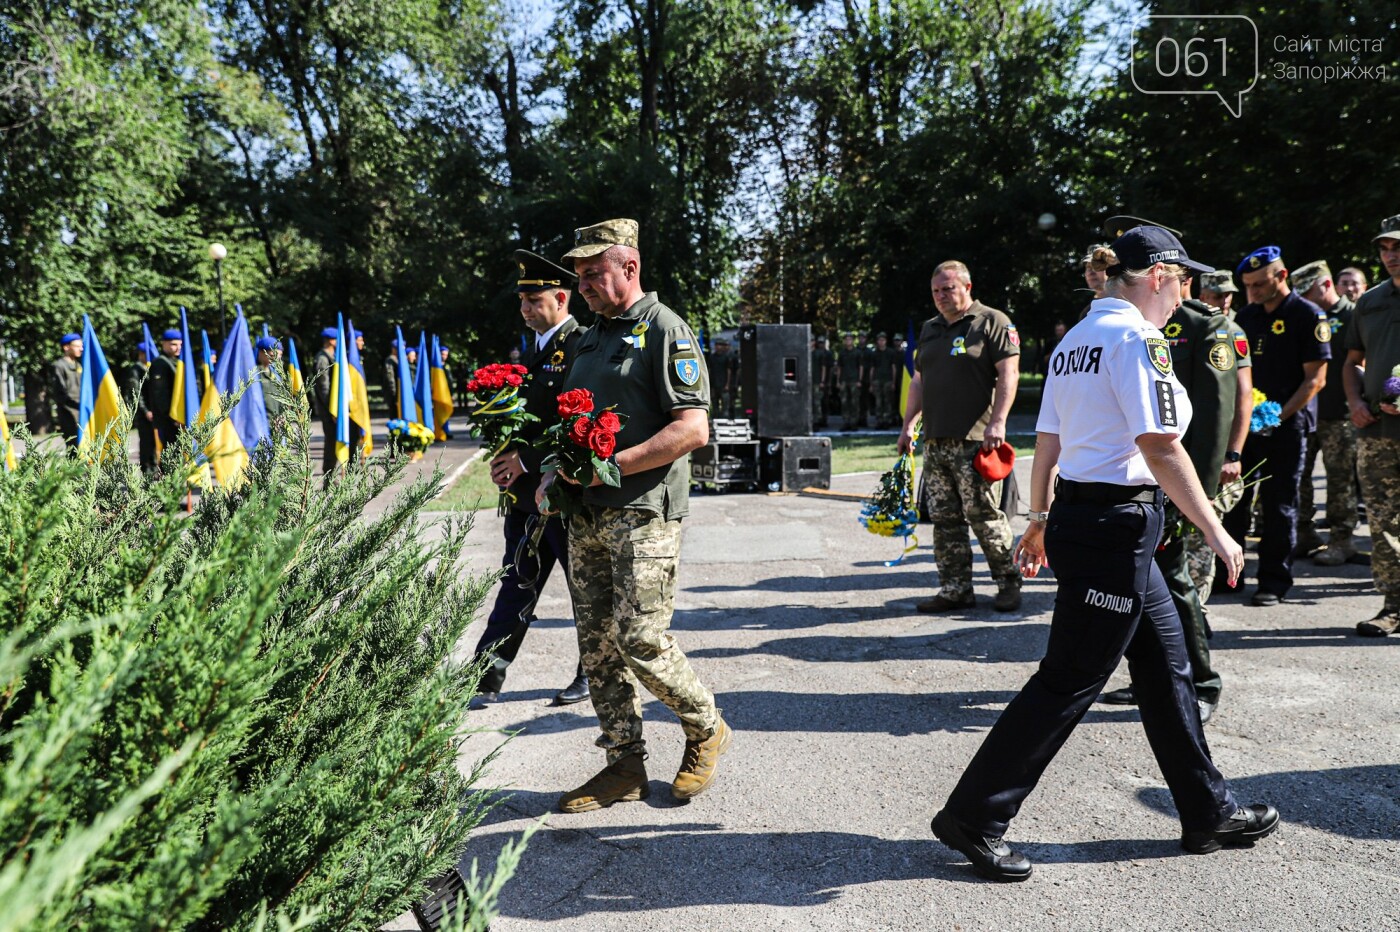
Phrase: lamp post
(217, 252)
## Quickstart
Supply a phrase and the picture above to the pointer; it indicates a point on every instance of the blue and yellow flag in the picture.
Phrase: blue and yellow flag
(341, 390)
(9, 458)
(908, 376)
(238, 435)
(99, 401)
(441, 390)
(148, 343)
(296, 383)
(359, 390)
(206, 367)
(184, 400)
(405, 400)
(423, 385)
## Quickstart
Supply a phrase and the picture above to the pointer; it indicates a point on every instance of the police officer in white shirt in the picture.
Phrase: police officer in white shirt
(1111, 418)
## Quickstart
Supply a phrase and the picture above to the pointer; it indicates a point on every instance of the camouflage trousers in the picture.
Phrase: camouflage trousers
(622, 576)
(884, 403)
(852, 405)
(1200, 562)
(818, 404)
(1336, 441)
(957, 497)
(1378, 462)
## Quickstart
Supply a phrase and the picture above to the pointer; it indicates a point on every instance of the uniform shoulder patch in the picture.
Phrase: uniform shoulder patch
(1166, 404)
(1323, 331)
(1159, 354)
(1221, 357)
(1241, 344)
(686, 370)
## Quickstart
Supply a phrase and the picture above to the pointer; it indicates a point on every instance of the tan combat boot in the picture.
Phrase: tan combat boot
(1337, 552)
(622, 781)
(699, 763)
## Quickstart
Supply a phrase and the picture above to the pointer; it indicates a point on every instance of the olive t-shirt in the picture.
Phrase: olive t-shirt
(645, 364)
(1375, 331)
(957, 363)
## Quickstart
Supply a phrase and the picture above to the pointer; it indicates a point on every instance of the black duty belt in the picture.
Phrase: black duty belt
(1105, 493)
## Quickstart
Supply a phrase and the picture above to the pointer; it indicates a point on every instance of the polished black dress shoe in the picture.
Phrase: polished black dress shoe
(482, 699)
(1207, 709)
(990, 857)
(1262, 599)
(1122, 696)
(577, 691)
(1241, 830)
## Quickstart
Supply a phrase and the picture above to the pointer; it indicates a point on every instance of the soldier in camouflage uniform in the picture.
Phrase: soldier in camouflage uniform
(1373, 352)
(850, 371)
(1335, 437)
(624, 545)
(884, 361)
(65, 386)
(823, 362)
(966, 367)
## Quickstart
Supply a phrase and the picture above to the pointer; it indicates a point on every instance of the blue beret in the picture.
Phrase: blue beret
(147, 348)
(266, 343)
(330, 333)
(1258, 259)
(69, 338)
(442, 346)
(171, 335)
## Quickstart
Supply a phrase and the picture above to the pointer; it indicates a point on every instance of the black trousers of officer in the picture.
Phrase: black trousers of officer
(1279, 457)
(515, 603)
(145, 443)
(166, 430)
(328, 460)
(1111, 602)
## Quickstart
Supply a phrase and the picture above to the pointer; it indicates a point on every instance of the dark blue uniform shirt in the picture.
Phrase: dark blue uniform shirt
(1296, 332)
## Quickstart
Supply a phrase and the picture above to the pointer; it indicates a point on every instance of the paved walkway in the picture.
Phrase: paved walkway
(854, 715)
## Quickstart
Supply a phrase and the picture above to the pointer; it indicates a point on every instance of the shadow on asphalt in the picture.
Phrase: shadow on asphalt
(1354, 802)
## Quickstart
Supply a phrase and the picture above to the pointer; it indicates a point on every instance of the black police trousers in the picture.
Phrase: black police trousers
(1111, 602)
(1277, 459)
(521, 586)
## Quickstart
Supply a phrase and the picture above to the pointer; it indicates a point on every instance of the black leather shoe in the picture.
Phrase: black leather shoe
(1207, 709)
(990, 857)
(1122, 696)
(1241, 830)
(577, 691)
(1262, 599)
(482, 699)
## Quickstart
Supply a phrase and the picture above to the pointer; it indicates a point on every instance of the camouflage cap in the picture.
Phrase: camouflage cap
(1304, 278)
(1390, 229)
(1221, 282)
(599, 238)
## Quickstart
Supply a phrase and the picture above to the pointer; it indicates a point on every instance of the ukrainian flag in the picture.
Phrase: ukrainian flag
(342, 387)
(423, 385)
(908, 370)
(184, 400)
(239, 434)
(295, 383)
(206, 366)
(99, 401)
(5, 440)
(359, 390)
(441, 390)
(405, 399)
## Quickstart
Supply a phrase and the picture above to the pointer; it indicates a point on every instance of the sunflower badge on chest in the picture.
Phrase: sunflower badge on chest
(638, 336)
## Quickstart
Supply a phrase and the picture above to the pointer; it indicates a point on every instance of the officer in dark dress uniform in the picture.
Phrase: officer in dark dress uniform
(133, 395)
(65, 385)
(159, 390)
(1290, 344)
(1111, 417)
(544, 290)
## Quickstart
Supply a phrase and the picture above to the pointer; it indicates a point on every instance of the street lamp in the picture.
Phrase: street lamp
(217, 252)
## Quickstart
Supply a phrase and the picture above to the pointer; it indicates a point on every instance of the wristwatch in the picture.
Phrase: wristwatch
(1040, 516)
(1232, 457)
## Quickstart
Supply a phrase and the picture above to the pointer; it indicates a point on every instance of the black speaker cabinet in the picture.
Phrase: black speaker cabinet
(775, 376)
(791, 464)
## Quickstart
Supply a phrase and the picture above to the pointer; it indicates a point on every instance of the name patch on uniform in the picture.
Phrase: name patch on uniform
(1323, 332)
(1122, 604)
(1159, 355)
(1166, 404)
(687, 370)
(1079, 359)
(1221, 357)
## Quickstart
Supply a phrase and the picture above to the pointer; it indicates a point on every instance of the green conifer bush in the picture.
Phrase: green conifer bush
(243, 717)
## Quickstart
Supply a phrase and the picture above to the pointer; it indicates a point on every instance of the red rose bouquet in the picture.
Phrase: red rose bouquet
(582, 444)
(497, 411)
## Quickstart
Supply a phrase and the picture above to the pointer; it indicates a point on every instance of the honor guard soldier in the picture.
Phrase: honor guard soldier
(823, 362)
(544, 290)
(884, 366)
(1205, 362)
(965, 371)
(268, 351)
(1289, 343)
(849, 371)
(66, 385)
(133, 395)
(1111, 417)
(1335, 437)
(1373, 360)
(321, 367)
(624, 546)
(391, 379)
(159, 390)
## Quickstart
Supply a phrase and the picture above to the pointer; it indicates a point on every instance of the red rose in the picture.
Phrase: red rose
(580, 430)
(514, 380)
(578, 401)
(473, 386)
(609, 422)
(603, 443)
(519, 368)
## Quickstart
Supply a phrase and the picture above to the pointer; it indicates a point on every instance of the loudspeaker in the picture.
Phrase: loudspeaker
(791, 464)
(775, 376)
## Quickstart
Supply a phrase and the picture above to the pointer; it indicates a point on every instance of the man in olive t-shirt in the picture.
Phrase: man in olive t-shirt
(624, 546)
(965, 371)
